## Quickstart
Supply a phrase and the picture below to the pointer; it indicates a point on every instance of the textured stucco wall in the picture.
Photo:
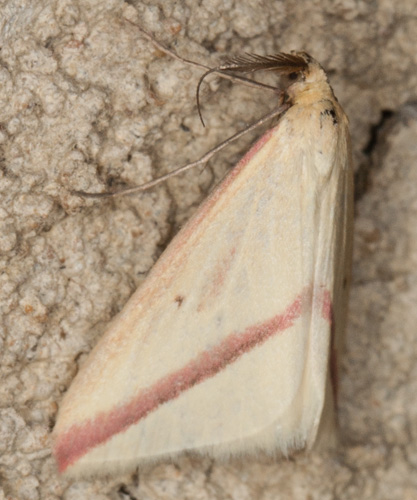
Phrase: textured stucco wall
(86, 102)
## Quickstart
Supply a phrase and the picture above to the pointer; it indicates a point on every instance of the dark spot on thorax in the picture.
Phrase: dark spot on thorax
(328, 112)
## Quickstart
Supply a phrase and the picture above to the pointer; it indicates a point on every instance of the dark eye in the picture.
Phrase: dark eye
(293, 76)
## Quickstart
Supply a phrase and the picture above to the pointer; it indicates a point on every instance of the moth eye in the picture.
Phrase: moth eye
(293, 76)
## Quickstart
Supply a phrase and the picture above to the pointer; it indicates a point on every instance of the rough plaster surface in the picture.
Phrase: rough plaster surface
(86, 103)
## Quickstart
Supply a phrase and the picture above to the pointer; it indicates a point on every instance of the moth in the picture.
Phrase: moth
(231, 344)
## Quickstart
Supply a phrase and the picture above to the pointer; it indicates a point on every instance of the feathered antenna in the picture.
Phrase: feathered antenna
(281, 62)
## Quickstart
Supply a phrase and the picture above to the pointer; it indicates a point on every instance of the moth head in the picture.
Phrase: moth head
(295, 68)
(312, 71)
(307, 82)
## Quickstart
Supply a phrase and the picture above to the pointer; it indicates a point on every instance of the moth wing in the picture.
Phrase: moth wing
(224, 348)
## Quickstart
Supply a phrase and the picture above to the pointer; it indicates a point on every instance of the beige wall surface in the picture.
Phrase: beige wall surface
(87, 103)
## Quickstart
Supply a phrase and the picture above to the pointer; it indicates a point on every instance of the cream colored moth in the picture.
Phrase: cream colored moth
(230, 345)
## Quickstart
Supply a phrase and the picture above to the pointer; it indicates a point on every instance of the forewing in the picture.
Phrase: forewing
(214, 351)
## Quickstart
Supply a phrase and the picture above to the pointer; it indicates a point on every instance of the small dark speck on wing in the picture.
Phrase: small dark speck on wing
(179, 299)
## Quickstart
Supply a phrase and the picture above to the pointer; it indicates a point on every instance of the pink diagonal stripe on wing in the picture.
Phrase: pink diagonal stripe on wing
(79, 439)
